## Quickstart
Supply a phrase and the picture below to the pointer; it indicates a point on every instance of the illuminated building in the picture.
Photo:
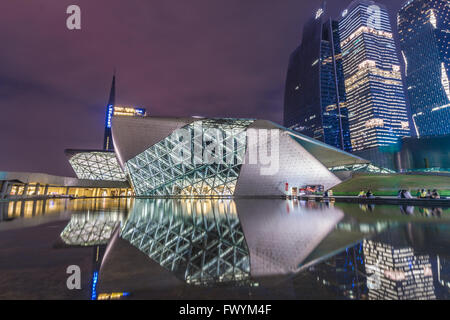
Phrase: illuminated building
(114, 110)
(424, 32)
(315, 99)
(107, 141)
(23, 185)
(95, 165)
(166, 156)
(206, 241)
(373, 82)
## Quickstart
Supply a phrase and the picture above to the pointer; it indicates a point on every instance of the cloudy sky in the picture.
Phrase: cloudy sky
(174, 57)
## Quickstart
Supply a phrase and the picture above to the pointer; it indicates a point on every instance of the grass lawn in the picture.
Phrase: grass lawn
(389, 184)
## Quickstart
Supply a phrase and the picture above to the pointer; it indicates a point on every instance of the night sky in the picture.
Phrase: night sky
(174, 57)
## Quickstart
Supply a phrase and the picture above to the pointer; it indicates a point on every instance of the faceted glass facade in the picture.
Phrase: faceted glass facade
(176, 166)
(97, 165)
(367, 167)
(200, 241)
(373, 82)
(424, 32)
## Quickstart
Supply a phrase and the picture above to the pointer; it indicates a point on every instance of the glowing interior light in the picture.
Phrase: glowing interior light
(444, 81)
(433, 19)
(406, 63)
(319, 13)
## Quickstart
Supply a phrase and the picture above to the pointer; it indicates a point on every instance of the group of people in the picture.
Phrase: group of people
(428, 194)
(364, 194)
(421, 194)
(405, 194)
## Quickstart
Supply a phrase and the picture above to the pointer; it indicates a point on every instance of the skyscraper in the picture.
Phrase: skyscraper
(424, 32)
(373, 82)
(107, 141)
(315, 100)
(113, 110)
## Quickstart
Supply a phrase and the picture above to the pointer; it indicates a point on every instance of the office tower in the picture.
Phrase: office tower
(113, 110)
(373, 82)
(424, 33)
(315, 101)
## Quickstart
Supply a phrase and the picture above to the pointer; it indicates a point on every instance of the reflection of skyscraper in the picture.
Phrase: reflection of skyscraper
(373, 82)
(344, 273)
(315, 95)
(443, 272)
(424, 29)
(397, 272)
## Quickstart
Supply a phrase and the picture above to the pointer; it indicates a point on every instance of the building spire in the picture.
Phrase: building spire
(107, 141)
(112, 93)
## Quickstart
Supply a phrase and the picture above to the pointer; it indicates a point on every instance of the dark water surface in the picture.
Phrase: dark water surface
(223, 249)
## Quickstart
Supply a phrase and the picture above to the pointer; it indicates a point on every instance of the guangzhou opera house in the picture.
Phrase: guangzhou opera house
(195, 157)
(166, 157)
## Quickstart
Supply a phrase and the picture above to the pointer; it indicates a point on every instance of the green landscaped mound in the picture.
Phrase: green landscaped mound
(389, 184)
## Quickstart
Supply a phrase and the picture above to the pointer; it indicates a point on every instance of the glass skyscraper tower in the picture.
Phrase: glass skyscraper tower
(424, 32)
(373, 82)
(315, 100)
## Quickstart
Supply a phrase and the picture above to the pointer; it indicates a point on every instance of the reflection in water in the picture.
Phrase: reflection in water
(204, 241)
(306, 249)
(397, 273)
(443, 272)
(201, 241)
(342, 273)
(91, 229)
(37, 208)
(401, 263)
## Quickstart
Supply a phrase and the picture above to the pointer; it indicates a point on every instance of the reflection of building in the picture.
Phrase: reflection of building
(113, 110)
(373, 82)
(173, 156)
(397, 272)
(202, 242)
(425, 43)
(314, 102)
(343, 273)
(205, 241)
(95, 165)
(443, 270)
(424, 154)
(91, 229)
